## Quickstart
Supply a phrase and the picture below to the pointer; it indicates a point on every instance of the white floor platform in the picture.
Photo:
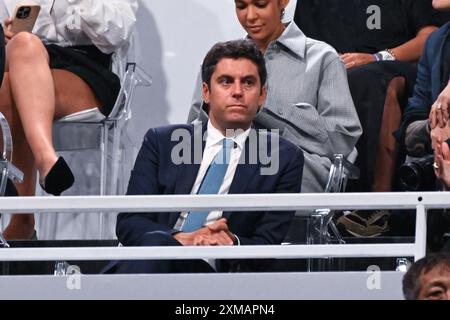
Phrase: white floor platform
(262, 286)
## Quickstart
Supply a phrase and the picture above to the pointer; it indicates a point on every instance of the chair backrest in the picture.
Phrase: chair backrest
(340, 171)
(121, 109)
(130, 74)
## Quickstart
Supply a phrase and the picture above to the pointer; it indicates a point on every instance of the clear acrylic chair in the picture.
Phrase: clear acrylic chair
(103, 133)
(92, 130)
(7, 169)
(321, 228)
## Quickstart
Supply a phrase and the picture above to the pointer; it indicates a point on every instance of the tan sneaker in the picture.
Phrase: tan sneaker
(365, 223)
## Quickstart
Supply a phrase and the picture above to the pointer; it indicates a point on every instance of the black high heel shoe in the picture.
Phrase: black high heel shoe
(58, 179)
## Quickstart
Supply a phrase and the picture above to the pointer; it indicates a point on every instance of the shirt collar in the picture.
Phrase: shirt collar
(293, 39)
(214, 136)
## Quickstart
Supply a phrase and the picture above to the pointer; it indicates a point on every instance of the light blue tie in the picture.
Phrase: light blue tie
(211, 185)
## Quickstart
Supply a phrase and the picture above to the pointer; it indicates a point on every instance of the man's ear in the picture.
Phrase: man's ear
(205, 90)
(262, 97)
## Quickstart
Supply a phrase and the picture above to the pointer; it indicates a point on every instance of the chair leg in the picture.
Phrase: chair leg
(103, 173)
(3, 180)
(115, 156)
(3, 242)
(113, 172)
(103, 165)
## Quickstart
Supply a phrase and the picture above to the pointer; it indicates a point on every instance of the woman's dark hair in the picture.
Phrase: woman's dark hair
(411, 280)
(235, 49)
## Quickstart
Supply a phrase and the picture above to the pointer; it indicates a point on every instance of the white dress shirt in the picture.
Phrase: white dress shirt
(213, 145)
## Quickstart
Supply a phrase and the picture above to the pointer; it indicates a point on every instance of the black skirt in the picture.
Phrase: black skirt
(91, 65)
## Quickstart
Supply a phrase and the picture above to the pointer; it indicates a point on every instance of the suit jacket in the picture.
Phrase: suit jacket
(155, 173)
(430, 80)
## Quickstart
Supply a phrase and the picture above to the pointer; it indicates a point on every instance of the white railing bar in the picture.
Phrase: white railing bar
(421, 232)
(253, 202)
(222, 252)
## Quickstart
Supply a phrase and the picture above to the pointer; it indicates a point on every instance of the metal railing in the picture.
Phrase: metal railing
(421, 202)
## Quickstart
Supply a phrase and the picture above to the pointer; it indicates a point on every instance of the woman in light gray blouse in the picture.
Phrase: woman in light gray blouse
(308, 97)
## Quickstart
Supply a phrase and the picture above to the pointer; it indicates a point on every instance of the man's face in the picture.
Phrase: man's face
(441, 4)
(234, 95)
(261, 18)
(435, 284)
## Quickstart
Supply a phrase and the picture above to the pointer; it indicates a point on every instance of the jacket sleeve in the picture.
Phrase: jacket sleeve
(107, 23)
(274, 225)
(337, 111)
(420, 103)
(132, 228)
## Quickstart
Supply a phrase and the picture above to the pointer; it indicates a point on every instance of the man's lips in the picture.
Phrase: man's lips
(236, 106)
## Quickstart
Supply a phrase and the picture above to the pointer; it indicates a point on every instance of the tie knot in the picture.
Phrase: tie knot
(227, 143)
(223, 157)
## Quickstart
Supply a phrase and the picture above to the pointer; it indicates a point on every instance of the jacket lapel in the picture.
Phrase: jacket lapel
(244, 173)
(187, 173)
(436, 72)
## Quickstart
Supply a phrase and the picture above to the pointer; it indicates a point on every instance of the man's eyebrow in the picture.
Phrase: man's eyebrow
(225, 75)
(439, 283)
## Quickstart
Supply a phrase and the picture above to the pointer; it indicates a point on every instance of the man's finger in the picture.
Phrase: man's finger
(220, 224)
(224, 238)
(432, 119)
(445, 112)
(445, 150)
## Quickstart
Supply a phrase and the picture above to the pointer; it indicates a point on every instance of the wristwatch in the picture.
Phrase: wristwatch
(385, 55)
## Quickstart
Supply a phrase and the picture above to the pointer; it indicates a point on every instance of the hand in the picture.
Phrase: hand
(352, 60)
(221, 227)
(439, 134)
(214, 234)
(6, 31)
(217, 239)
(439, 110)
(442, 163)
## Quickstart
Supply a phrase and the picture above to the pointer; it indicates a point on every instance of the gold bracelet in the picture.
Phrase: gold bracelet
(392, 53)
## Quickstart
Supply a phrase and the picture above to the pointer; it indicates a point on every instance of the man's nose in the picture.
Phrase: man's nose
(237, 90)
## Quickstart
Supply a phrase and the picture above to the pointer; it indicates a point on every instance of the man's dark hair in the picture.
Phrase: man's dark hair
(411, 280)
(235, 49)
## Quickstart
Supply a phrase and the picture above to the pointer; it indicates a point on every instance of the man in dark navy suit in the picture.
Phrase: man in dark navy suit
(428, 109)
(183, 159)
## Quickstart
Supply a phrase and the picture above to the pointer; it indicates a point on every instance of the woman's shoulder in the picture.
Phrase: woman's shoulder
(320, 49)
